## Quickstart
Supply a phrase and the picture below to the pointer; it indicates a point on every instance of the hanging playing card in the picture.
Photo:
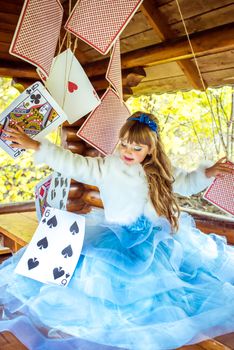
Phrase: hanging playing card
(58, 191)
(53, 253)
(221, 192)
(35, 111)
(70, 87)
(37, 33)
(99, 22)
(101, 128)
(41, 194)
(114, 73)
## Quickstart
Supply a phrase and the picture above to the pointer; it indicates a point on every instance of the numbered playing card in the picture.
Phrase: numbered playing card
(52, 255)
(41, 194)
(58, 191)
(35, 111)
(70, 86)
(221, 192)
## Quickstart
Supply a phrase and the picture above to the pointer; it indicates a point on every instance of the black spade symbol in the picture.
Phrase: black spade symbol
(43, 243)
(74, 228)
(52, 222)
(66, 182)
(53, 194)
(56, 182)
(61, 181)
(64, 192)
(43, 221)
(67, 252)
(67, 275)
(58, 272)
(61, 204)
(32, 263)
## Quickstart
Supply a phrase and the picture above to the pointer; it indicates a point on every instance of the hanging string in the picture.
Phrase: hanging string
(200, 75)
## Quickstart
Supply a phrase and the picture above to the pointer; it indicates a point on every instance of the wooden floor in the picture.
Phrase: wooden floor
(9, 342)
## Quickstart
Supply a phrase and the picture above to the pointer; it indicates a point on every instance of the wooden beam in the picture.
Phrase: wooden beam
(22, 70)
(158, 23)
(204, 43)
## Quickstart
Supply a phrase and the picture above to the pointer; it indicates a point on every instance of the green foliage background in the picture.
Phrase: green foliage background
(194, 126)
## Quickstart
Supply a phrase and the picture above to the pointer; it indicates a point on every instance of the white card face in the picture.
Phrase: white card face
(41, 194)
(35, 111)
(70, 86)
(58, 191)
(53, 253)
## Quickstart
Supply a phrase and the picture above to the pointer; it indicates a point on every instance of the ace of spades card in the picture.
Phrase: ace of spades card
(58, 191)
(41, 194)
(35, 111)
(52, 255)
(70, 86)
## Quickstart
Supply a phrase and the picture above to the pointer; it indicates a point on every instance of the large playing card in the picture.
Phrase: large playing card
(221, 192)
(101, 128)
(99, 22)
(58, 191)
(70, 86)
(41, 194)
(53, 253)
(114, 72)
(35, 111)
(37, 33)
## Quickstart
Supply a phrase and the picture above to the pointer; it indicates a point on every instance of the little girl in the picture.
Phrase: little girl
(148, 279)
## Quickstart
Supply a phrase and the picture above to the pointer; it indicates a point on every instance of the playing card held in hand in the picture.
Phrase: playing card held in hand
(35, 111)
(221, 192)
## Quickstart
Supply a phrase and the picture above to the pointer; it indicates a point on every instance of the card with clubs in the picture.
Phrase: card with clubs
(52, 255)
(35, 111)
(58, 191)
(70, 86)
(41, 195)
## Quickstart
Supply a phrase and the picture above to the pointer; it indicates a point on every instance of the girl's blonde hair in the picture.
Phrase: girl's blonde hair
(156, 165)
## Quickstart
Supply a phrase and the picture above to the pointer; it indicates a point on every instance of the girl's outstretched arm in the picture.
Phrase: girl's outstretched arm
(188, 183)
(84, 169)
(20, 139)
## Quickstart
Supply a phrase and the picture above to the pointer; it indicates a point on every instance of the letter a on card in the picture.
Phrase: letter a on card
(70, 86)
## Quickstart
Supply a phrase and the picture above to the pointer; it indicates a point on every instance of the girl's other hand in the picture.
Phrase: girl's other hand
(219, 169)
(20, 139)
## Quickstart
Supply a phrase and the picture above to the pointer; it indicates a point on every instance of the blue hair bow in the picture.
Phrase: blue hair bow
(144, 119)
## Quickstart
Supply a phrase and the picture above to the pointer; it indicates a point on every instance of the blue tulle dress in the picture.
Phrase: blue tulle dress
(135, 287)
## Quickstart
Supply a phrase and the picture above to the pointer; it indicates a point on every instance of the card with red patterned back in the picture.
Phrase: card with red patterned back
(37, 33)
(221, 192)
(101, 128)
(114, 73)
(100, 22)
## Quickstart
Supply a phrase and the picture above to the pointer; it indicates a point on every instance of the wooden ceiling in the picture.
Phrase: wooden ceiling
(155, 52)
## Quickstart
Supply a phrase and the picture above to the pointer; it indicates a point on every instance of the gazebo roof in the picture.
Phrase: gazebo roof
(155, 52)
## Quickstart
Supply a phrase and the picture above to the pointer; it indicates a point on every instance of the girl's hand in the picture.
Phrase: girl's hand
(20, 139)
(219, 169)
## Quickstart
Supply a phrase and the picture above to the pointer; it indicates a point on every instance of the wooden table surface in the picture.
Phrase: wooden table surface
(18, 227)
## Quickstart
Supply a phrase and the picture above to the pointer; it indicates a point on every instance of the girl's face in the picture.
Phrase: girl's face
(132, 153)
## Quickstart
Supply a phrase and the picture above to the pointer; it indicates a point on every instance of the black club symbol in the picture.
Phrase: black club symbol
(35, 98)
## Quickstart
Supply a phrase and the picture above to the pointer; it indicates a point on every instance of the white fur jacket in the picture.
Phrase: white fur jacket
(123, 188)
